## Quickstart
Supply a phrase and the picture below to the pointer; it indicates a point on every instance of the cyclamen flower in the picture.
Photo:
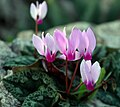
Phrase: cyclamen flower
(45, 46)
(67, 46)
(87, 44)
(89, 73)
(38, 11)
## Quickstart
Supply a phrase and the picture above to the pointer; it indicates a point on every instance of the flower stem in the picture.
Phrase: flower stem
(66, 74)
(36, 32)
(75, 89)
(36, 27)
(72, 79)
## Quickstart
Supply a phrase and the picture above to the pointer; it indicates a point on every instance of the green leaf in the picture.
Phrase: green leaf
(26, 80)
(43, 97)
(19, 61)
(108, 98)
(109, 74)
(80, 92)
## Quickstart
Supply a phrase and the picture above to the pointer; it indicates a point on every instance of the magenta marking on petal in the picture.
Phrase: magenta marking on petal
(70, 56)
(39, 22)
(50, 58)
(89, 85)
(88, 56)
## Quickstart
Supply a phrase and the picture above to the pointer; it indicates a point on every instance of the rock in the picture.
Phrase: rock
(22, 47)
(5, 53)
(109, 34)
(25, 35)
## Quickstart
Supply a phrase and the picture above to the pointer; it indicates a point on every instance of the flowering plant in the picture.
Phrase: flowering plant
(77, 47)
(64, 70)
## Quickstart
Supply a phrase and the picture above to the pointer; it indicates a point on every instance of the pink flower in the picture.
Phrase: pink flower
(67, 46)
(87, 44)
(39, 11)
(45, 46)
(89, 73)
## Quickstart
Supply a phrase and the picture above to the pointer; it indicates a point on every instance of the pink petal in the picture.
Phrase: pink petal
(61, 40)
(85, 73)
(87, 55)
(77, 55)
(62, 57)
(50, 57)
(33, 11)
(95, 71)
(70, 53)
(88, 62)
(43, 38)
(92, 40)
(70, 47)
(50, 43)
(89, 85)
(50, 49)
(73, 43)
(38, 44)
(84, 43)
(42, 10)
(74, 39)
(70, 56)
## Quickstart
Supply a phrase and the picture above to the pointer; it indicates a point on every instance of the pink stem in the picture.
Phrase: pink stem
(66, 74)
(72, 79)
